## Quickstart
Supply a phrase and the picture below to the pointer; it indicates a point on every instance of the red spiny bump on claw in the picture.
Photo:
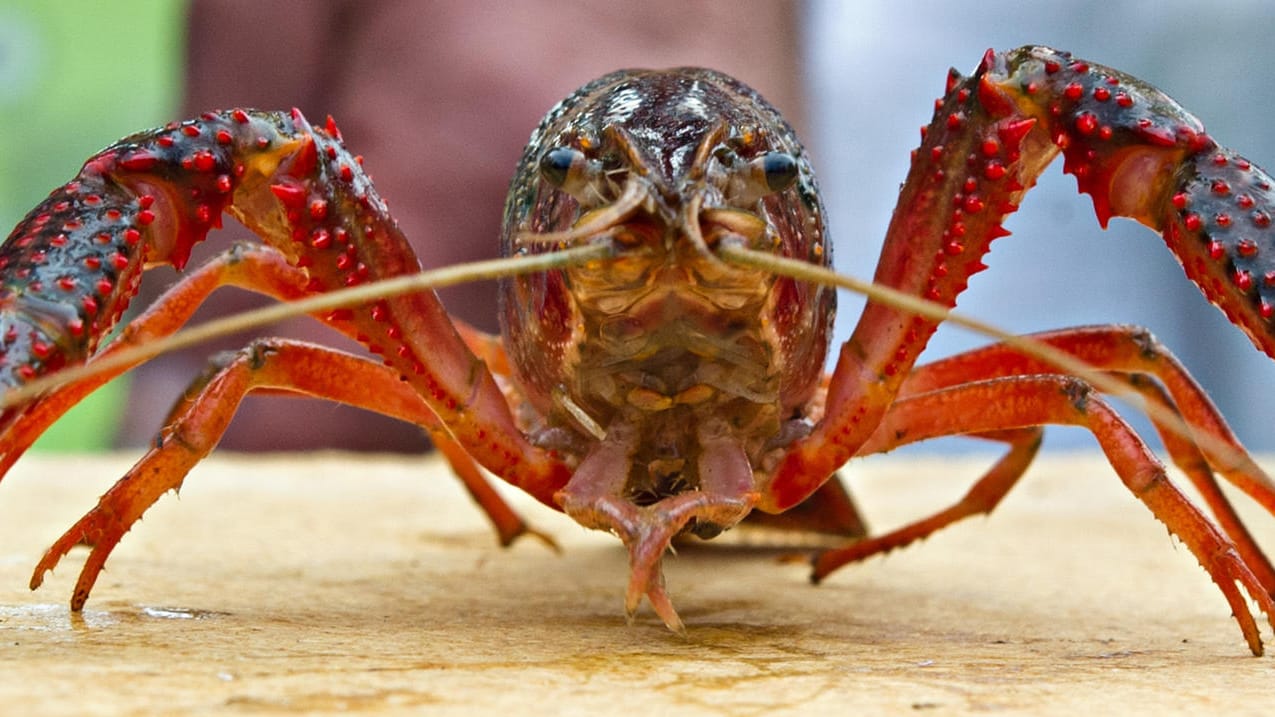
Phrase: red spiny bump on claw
(203, 161)
(306, 158)
(1243, 280)
(318, 209)
(332, 129)
(292, 194)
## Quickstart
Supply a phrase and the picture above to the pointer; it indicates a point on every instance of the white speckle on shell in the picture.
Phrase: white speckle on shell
(623, 104)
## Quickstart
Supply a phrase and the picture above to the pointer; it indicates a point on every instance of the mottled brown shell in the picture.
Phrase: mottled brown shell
(664, 333)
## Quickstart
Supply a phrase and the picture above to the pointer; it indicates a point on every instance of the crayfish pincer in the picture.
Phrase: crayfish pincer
(660, 372)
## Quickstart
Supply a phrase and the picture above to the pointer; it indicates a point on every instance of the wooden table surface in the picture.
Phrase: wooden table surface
(328, 583)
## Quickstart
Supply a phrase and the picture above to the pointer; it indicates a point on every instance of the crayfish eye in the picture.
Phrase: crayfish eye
(556, 165)
(780, 170)
(571, 171)
(766, 174)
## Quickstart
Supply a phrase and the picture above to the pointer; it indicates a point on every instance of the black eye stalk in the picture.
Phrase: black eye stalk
(571, 171)
(779, 168)
(556, 164)
(764, 175)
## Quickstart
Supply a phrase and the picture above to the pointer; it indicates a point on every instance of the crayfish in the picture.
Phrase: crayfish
(666, 310)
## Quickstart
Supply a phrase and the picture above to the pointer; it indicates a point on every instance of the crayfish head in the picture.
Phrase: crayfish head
(665, 167)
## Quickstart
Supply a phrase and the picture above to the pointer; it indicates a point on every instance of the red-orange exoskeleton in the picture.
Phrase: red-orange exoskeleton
(664, 385)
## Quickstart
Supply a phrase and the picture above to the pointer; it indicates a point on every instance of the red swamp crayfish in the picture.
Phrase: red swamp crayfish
(665, 311)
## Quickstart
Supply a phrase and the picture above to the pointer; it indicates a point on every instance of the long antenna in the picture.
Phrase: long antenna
(406, 284)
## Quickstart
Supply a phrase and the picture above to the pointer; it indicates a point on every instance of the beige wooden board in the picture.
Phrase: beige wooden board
(327, 583)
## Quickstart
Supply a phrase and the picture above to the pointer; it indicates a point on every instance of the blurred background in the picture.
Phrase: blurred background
(440, 96)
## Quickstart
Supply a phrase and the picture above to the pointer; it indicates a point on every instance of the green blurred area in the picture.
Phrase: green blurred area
(74, 76)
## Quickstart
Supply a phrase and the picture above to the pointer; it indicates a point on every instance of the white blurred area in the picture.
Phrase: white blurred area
(875, 69)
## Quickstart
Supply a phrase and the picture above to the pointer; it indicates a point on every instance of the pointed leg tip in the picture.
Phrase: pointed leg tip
(817, 573)
(548, 541)
(676, 626)
(632, 600)
(525, 531)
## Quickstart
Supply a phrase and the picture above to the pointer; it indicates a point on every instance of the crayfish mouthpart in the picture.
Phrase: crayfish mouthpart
(648, 532)
(660, 603)
(646, 577)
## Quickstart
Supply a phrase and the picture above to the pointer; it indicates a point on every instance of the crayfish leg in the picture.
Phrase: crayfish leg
(248, 266)
(1037, 400)
(986, 493)
(199, 419)
(509, 525)
(1131, 353)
